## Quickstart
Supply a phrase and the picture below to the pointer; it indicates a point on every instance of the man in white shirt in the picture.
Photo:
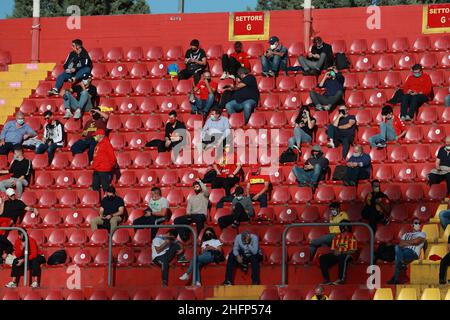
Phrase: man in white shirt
(216, 129)
(408, 250)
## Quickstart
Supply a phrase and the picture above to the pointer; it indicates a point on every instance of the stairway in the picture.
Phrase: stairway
(237, 292)
(17, 83)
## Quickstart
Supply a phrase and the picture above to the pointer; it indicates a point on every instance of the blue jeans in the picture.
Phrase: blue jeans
(299, 137)
(203, 106)
(336, 134)
(248, 105)
(310, 176)
(447, 100)
(82, 145)
(63, 77)
(403, 256)
(444, 216)
(202, 260)
(50, 150)
(387, 133)
(262, 199)
(273, 63)
(85, 103)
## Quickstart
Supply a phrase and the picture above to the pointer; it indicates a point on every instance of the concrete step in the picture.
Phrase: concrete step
(26, 67)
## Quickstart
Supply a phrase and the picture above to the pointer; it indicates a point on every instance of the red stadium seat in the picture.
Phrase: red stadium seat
(147, 105)
(413, 135)
(84, 180)
(104, 88)
(351, 81)
(120, 295)
(214, 52)
(75, 295)
(397, 153)
(307, 83)
(54, 295)
(384, 62)
(77, 238)
(324, 194)
(125, 257)
(370, 81)
(127, 179)
(99, 71)
(405, 61)
(57, 70)
(428, 60)
(338, 46)
(362, 63)
(393, 192)
(57, 238)
(174, 53)
(28, 107)
(405, 173)
(138, 71)
(82, 257)
(88, 198)
(127, 105)
(441, 43)
(355, 99)
(67, 199)
(99, 238)
(270, 294)
(421, 44)
(266, 84)
(437, 193)
(285, 83)
(439, 96)
(43, 180)
(310, 214)
(80, 161)
(72, 218)
(427, 115)
(96, 55)
(383, 173)
(119, 71)
(132, 123)
(123, 88)
(392, 80)
(287, 215)
(141, 238)
(42, 90)
(237, 120)
(379, 45)
(121, 237)
(296, 49)
(271, 102)
(292, 101)
(280, 195)
(114, 54)
(163, 87)
(435, 134)
(47, 199)
(98, 295)
(158, 70)
(257, 68)
(358, 46)
(346, 194)
(255, 50)
(154, 53)
(135, 54)
(338, 294)
(413, 193)
(400, 44)
(184, 87)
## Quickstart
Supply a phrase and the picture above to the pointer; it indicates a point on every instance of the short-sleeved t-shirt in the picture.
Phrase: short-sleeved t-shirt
(201, 86)
(257, 182)
(444, 156)
(14, 209)
(342, 215)
(156, 243)
(197, 55)
(21, 168)
(414, 235)
(226, 170)
(303, 124)
(250, 91)
(350, 132)
(111, 206)
(158, 205)
(92, 125)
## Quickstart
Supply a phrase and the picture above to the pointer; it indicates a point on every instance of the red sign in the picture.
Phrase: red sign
(436, 18)
(249, 25)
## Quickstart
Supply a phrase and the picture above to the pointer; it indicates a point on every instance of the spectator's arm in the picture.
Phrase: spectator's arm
(204, 188)
(264, 190)
(438, 163)
(101, 211)
(30, 132)
(162, 213)
(350, 124)
(254, 248)
(202, 62)
(236, 247)
(119, 212)
(164, 245)
(238, 167)
(104, 115)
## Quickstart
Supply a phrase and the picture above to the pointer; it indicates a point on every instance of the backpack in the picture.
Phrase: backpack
(173, 69)
(58, 257)
(342, 61)
(288, 156)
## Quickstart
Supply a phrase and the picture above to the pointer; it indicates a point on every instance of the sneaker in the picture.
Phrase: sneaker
(71, 80)
(34, 285)
(184, 277)
(12, 284)
(408, 118)
(182, 259)
(224, 76)
(327, 107)
(338, 282)
(77, 114)
(68, 114)
(403, 118)
(271, 73)
(264, 74)
(319, 107)
(381, 145)
(198, 284)
(297, 148)
(330, 144)
(53, 92)
(231, 76)
(227, 283)
(326, 283)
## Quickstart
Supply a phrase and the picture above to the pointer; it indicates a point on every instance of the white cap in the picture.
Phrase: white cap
(10, 192)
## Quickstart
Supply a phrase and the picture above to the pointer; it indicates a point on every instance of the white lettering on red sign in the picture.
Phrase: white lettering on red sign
(248, 18)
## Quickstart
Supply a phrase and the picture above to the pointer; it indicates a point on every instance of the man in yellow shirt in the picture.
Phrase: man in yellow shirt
(319, 294)
(336, 216)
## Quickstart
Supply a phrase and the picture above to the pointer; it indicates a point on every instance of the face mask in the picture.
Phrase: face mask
(213, 118)
(416, 227)
(239, 197)
(20, 121)
(273, 46)
(49, 121)
(447, 148)
(197, 191)
(85, 82)
(376, 189)
(357, 154)
(332, 73)
(172, 121)
(417, 74)
(342, 112)
(334, 212)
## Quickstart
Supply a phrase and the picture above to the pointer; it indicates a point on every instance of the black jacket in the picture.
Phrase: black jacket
(78, 61)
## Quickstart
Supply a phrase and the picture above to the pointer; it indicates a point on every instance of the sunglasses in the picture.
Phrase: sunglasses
(416, 223)
(47, 118)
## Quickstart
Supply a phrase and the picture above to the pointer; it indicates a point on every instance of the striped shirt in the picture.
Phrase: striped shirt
(414, 235)
(344, 242)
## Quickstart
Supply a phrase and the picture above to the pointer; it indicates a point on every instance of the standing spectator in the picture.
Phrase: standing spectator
(175, 135)
(245, 250)
(342, 130)
(241, 210)
(258, 185)
(103, 163)
(321, 57)
(195, 59)
(88, 142)
(164, 249)
(54, 136)
(245, 95)
(12, 210)
(21, 169)
(157, 212)
(343, 246)
(77, 64)
(86, 98)
(14, 133)
(358, 167)
(319, 294)
(211, 252)
(196, 211)
(391, 128)
(376, 209)
(274, 58)
(35, 259)
(314, 170)
(111, 211)
(444, 264)
(333, 83)
(442, 170)
(231, 63)
(408, 250)
(216, 129)
(206, 90)
(305, 125)
(336, 216)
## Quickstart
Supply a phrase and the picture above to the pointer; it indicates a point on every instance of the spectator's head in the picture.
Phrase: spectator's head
(332, 72)
(99, 134)
(110, 192)
(417, 70)
(357, 150)
(11, 193)
(387, 112)
(156, 193)
(22, 236)
(376, 185)
(345, 228)
(87, 78)
(216, 113)
(48, 116)
(417, 225)
(242, 72)
(238, 46)
(77, 45)
(246, 238)
(304, 111)
(342, 110)
(18, 152)
(197, 187)
(20, 118)
(274, 42)
(95, 113)
(207, 76)
(316, 150)
(195, 44)
(209, 234)
(447, 143)
(335, 207)
(172, 116)
(172, 233)
(239, 192)
(255, 168)
(318, 291)
(318, 42)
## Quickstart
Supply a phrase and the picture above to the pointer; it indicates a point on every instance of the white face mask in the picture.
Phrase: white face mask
(416, 227)
(273, 46)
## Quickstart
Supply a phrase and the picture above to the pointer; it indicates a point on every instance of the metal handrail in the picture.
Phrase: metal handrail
(165, 226)
(317, 224)
(25, 263)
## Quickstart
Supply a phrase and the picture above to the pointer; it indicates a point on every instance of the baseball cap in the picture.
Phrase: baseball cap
(273, 39)
(86, 76)
(10, 192)
(100, 132)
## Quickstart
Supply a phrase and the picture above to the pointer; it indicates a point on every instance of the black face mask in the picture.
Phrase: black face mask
(207, 237)
(95, 116)
(110, 198)
(197, 191)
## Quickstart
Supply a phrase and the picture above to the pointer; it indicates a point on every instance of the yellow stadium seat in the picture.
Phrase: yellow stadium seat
(438, 249)
(431, 294)
(447, 296)
(432, 232)
(383, 294)
(407, 294)
(446, 234)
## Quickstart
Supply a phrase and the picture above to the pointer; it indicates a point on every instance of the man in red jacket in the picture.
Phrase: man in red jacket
(35, 259)
(391, 128)
(231, 63)
(103, 163)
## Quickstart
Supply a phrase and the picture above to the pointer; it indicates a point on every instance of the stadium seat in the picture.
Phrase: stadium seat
(414, 193)
(158, 70)
(379, 45)
(407, 294)
(427, 115)
(98, 295)
(439, 96)
(356, 99)
(393, 192)
(421, 44)
(114, 54)
(174, 53)
(88, 198)
(324, 194)
(428, 60)
(104, 88)
(397, 153)
(214, 52)
(292, 101)
(285, 83)
(384, 234)
(269, 294)
(280, 195)
(120, 295)
(383, 294)
(255, 50)
(385, 62)
(405, 61)
(98, 238)
(138, 71)
(96, 55)
(183, 87)
(54, 295)
(287, 215)
(56, 238)
(125, 257)
(338, 294)
(399, 44)
(266, 84)
(301, 194)
(134, 54)
(362, 63)
(82, 257)
(99, 71)
(154, 53)
(72, 218)
(351, 81)
(338, 46)
(413, 135)
(392, 79)
(163, 87)
(141, 238)
(143, 88)
(370, 81)
(121, 237)
(431, 294)
(306, 83)
(28, 106)
(75, 295)
(434, 134)
(119, 71)
(441, 43)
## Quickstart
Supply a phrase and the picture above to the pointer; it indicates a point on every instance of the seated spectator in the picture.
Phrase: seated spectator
(321, 57)
(444, 264)
(444, 217)
(206, 90)
(333, 83)
(245, 95)
(216, 130)
(314, 170)
(358, 167)
(245, 250)
(164, 249)
(12, 210)
(447, 100)
(77, 64)
(35, 259)
(319, 294)
(112, 209)
(258, 185)
(196, 211)
(336, 216)
(408, 250)
(88, 142)
(305, 125)
(157, 212)
(195, 59)
(86, 98)
(342, 130)
(225, 173)
(241, 210)
(21, 170)
(54, 136)
(211, 252)
(416, 90)
(14, 133)
(376, 208)
(6, 249)
(231, 63)
(175, 135)
(442, 170)
(391, 129)
(343, 246)
(274, 58)
(104, 162)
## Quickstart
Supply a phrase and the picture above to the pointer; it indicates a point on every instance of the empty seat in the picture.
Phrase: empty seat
(270, 294)
(135, 54)
(139, 70)
(255, 50)
(379, 45)
(400, 44)
(119, 71)
(383, 294)
(114, 54)
(338, 46)
(154, 53)
(431, 294)
(405, 61)
(285, 83)
(362, 63)
(163, 87)
(421, 44)
(82, 257)
(384, 62)
(407, 294)
(214, 52)
(308, 83)
(428, 60)
(391, 80)
(174, 53)
(99, 238)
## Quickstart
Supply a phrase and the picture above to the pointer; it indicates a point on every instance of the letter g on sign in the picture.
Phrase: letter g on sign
(248, 26)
